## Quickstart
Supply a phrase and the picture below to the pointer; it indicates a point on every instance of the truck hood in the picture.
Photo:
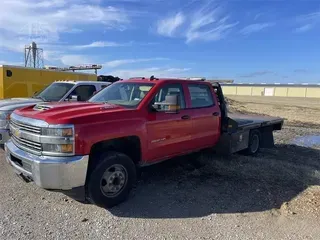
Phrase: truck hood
(62, 113)
(11, 104)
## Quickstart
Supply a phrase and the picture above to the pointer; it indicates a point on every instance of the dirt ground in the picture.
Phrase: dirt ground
(274, 195)
(297, 111)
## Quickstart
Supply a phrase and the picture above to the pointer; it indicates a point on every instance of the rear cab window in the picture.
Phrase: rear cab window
(201, 95)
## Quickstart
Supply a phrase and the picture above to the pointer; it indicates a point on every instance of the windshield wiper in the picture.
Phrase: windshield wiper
(39, 97)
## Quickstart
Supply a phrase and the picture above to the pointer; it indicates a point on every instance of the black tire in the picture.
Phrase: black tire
(97, 179)
(254, 143)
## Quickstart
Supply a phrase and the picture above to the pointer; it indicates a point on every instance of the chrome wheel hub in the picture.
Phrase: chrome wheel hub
(113, 180)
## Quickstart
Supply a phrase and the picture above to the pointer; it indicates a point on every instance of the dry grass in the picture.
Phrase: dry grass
(296, 111)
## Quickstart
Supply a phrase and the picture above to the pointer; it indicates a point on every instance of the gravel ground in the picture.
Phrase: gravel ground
(275, 195)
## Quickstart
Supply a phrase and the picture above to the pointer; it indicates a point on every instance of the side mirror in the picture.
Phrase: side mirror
(73, 98)
(95, 92)
(170, 104)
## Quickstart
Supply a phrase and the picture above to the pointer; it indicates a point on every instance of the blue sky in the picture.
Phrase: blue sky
(246, 40)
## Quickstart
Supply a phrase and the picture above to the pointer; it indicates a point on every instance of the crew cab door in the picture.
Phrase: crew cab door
(205, 115)
(168, 133)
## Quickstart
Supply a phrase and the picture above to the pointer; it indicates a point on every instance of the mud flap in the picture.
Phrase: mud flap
(267, 139)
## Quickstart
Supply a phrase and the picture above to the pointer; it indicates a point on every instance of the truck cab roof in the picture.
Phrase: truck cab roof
(162, 80)
(82, 82)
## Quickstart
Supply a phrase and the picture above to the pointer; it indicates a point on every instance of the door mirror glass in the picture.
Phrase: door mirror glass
(169, 105)
(73, 98)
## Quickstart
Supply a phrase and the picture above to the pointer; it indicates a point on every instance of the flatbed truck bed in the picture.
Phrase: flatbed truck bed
(245, 121)
(239, 133)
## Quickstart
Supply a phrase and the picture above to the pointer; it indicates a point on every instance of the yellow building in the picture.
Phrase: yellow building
(16, 81)
(278, 90)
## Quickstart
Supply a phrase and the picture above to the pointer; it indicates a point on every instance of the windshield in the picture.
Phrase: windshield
(54, 92)
(124, 94)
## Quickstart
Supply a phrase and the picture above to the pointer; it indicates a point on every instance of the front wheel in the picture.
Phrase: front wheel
(111, 181)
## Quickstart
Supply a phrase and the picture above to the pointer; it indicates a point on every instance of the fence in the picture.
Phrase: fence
(277, 90)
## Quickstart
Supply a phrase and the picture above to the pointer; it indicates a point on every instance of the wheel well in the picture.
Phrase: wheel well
(130, 146)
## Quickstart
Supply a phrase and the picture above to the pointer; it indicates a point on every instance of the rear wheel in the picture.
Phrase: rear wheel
(254, 143)
(111, 181)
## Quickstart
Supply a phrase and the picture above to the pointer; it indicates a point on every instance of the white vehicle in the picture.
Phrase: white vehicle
(58, 91)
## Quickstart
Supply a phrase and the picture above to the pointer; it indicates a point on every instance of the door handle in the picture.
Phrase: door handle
(185, 117)
(215, 114)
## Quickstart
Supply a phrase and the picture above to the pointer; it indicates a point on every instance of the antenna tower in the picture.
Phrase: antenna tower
(33, 56)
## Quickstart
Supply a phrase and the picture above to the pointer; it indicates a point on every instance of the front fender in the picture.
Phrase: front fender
(89, 134)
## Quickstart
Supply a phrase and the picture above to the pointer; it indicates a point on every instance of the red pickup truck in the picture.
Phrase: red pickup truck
(92, 150)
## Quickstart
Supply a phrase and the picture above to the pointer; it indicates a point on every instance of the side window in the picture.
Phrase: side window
(171, 89)
(84, 92)
(201, 95)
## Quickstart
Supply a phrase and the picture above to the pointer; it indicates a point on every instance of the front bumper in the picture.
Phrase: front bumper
(52, 173)
(4, 136)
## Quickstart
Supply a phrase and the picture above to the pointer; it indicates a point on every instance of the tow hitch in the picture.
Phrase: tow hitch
(24, 178)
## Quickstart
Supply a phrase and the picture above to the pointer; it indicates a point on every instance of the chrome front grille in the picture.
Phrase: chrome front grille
(33, 135)
(25, 127)
(26, 136)
(30, 144)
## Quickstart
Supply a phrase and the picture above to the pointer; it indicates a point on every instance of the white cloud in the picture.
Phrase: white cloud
(308, 22)
(11, 63)
(168, 26)
(256, 27)
(23, 21)
(47, 4)
(147, 72)
(315, 16)
(11, 44)
(304, 28)
(117, 63)
(52, 55)
(177, 70)
(74, 59)
(101, 44)
(216, 28)
(258, 15)
(75, 30)
(207, 23)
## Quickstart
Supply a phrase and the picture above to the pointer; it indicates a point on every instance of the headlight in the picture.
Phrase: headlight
(57, 148)
(58, 140)
(58, 132)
